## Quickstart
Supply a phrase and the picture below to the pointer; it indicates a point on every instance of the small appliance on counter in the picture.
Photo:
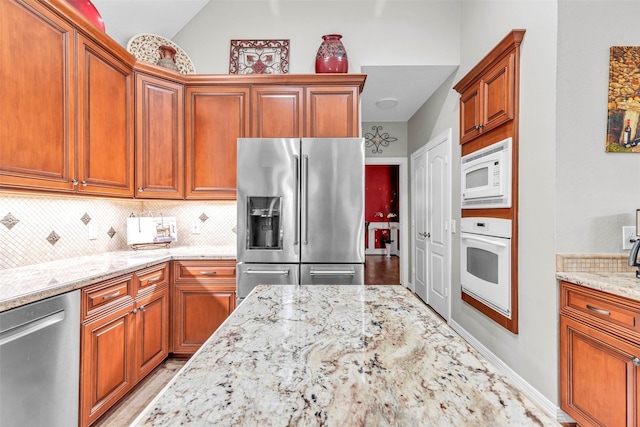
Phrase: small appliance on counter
(151, 231)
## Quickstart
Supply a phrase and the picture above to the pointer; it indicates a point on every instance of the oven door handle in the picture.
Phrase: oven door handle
(480, 239)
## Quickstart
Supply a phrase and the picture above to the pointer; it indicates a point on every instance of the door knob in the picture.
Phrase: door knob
(425, 234)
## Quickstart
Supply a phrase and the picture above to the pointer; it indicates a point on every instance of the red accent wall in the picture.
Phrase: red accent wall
(381, 194)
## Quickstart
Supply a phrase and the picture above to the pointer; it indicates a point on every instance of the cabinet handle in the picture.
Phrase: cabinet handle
(153, 279)
(112, 296)
(208, 273)
(597, 310)
(635, 361)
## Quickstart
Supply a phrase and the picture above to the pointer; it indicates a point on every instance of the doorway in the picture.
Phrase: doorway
(386, 219)
(431, 223)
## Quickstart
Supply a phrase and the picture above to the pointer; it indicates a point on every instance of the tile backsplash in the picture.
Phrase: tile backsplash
(35, 229)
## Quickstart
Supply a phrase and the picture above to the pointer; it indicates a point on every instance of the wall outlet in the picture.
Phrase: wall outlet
(628, 237)
(195, 227)
(92, 231)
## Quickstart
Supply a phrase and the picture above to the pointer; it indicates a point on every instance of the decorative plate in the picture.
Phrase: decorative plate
(145, 48)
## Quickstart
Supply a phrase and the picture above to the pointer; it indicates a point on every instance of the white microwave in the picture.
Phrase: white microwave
(486, 177)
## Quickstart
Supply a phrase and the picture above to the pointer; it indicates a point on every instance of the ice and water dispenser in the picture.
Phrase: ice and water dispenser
(264, 222)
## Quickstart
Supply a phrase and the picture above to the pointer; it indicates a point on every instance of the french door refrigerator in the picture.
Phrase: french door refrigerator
(300, 211)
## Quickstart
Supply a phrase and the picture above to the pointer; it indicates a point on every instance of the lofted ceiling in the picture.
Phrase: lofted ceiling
(409, 85)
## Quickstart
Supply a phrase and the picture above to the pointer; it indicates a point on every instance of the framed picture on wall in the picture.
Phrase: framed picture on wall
(624, 100)
(259, 57)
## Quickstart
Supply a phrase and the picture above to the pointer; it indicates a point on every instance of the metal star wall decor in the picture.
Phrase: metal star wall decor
(378, 139)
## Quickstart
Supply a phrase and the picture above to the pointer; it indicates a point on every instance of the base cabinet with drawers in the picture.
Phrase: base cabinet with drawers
(599, 357)
(203, 296)
(124, 335)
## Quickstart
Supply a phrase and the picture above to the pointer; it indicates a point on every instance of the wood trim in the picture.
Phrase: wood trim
(503, 48)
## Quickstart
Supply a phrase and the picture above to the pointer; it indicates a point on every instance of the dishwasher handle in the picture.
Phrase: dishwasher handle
(35, 325)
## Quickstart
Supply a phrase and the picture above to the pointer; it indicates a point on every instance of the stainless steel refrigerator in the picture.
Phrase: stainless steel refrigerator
(300, 211)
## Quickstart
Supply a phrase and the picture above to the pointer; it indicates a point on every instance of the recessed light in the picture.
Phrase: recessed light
(386, 103)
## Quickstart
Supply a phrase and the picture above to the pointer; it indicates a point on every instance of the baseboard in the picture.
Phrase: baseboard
(534, 395)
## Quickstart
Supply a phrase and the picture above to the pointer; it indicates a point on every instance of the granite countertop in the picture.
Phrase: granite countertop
(623, 284)
(338, 356)
(22, 285)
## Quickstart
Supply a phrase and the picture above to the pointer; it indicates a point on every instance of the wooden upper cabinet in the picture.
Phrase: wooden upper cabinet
(105, 122)
(159, 138)
(216, 117)
(277, 111)
(489, 92)
(332, 111)
(37, 104)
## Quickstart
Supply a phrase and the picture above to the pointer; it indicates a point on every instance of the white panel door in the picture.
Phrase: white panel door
(438, 214)
(431, 213)
(419, 215)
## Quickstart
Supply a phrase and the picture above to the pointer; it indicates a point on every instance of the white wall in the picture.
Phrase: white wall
(393, 32)
(598, 192)
(533, 353)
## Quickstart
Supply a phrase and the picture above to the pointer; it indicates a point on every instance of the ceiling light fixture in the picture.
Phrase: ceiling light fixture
(386, 103)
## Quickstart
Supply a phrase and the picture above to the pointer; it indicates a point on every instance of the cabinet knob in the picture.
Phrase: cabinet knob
(140, 189)
(74, 181)
(635, 361)
(84, 183)
(141, 308)
(134, 311)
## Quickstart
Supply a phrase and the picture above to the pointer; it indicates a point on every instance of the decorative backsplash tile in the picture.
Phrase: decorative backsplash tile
(46, 228)
(593, 263)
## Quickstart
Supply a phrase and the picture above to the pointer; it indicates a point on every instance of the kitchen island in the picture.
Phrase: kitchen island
(338, 356)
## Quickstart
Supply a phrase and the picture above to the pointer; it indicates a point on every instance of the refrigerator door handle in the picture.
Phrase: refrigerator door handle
(333, 272)
(296, 196)
(305, 209)
(278, 272)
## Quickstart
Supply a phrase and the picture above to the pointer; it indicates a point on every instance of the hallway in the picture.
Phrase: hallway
(381, 270)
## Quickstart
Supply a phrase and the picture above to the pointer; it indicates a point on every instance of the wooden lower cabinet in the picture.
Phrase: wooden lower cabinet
(203, 296)
(106, 361)
(152, 331)
(122, 338)
(599, 364)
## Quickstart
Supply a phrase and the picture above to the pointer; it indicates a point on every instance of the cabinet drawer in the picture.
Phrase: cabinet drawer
(601, 308)
(205, 271)
(152, 277)
(106, 294)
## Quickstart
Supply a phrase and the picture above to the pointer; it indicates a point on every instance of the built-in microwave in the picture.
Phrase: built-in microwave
(486, 177)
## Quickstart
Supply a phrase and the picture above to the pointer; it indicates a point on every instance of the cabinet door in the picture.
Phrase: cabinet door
(217, 117)
(159, 138)
(276, 112)
(106, 372)
(598, 379)
(152, 331)
(497, 94)
(198, 311)
(37, 104)
(105, 116)
(470, 114)
(331, 112)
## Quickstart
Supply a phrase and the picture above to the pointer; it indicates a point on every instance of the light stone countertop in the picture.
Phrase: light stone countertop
(623, 284)
(22, 285)
(330, 355)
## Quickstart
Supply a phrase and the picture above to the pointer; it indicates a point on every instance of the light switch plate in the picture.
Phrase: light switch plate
(628, 237)
(92, 230)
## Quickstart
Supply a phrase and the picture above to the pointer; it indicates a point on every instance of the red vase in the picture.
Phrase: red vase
(332, 57)
(87, 8)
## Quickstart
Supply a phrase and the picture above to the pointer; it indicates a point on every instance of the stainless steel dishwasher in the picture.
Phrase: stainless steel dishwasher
(40, 363)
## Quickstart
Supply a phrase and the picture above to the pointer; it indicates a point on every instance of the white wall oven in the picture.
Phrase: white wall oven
(486, 177)
(485, 264)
